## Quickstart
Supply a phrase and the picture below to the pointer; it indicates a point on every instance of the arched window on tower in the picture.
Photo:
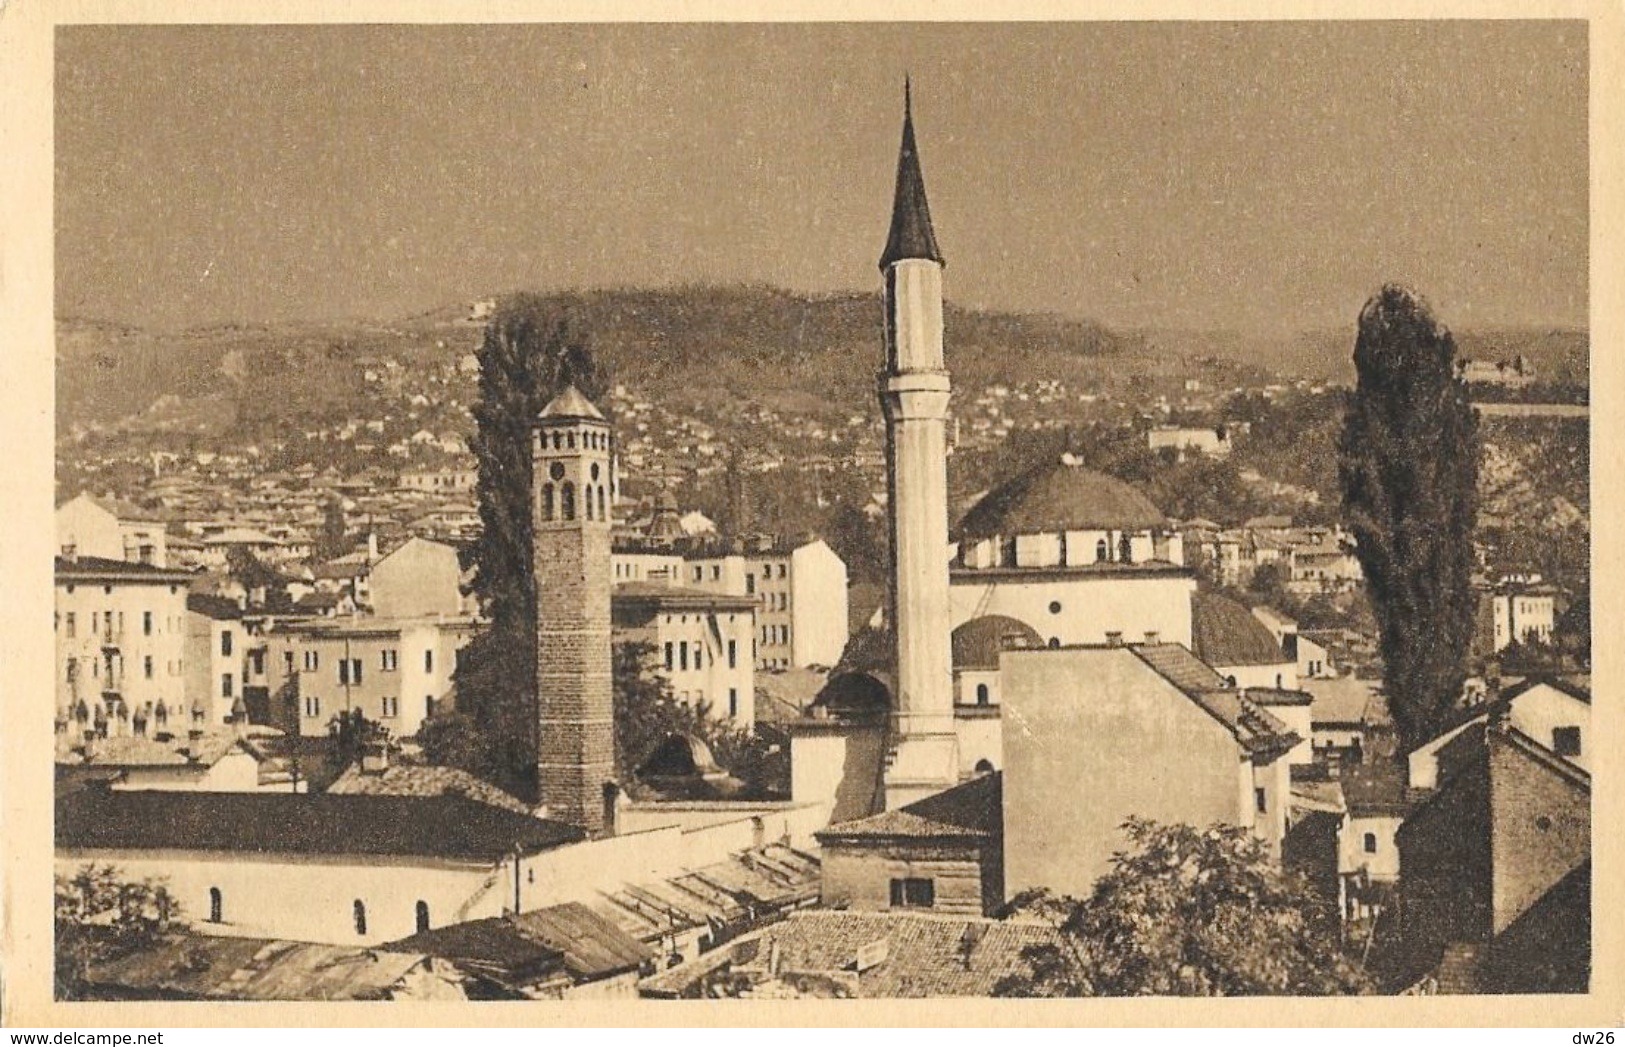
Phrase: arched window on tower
(586, 498)
(360, 908)
(603, 513)
(1125, 549)
(981, 694)
(570, 440)
(1102, 551)
(547, 501)
(423, 916)
(984, 766)
(567, 500)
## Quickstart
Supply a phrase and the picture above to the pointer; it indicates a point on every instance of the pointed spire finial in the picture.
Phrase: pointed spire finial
(911, 234)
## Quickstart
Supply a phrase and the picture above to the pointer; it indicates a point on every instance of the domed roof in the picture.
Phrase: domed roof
(1223, 632)
(977, 643)
(1059, 495)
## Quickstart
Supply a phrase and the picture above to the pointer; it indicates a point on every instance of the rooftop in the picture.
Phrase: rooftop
(451, 827)
(1059, 495)
(972, 810)
(97, 568)
(1223, 633)
(424, 780)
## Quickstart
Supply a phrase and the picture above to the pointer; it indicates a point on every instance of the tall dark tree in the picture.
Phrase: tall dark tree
(531, 350)
(334, 540)
(1408, 462)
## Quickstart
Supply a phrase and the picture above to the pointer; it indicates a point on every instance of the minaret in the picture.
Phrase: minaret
(574, 491)
(914, 394)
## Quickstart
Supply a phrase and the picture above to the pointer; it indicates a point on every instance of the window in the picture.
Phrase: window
(547, 501)
(147, 553)
(782, 569)
(567, 500)
(389, 660)
(1125, 550)
(682, 655)
(1261, 801)
(225, 643)
(423, 916)
(216, 906)
(350, 671)
(391, 707)
(733, 703)
(671, 653)
(313, 706)
(146, 666)
(913, 892)
(733, 654)
(70, 625)
(716, 571)
(981, 694)
(750, 585)
(287, 662)
(1055, 607)
(698, 571)
(360, 910)
(256, 662)
(984, 766)
(1566, 741)
(225, 685)
(146, 623)
(313, 661)
(428, 661)
(1102, 550)
(1370, 843)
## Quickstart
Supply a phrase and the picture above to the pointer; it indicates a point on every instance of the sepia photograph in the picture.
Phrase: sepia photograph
(632, 512)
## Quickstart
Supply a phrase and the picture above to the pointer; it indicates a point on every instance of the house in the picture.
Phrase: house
(1143, 730)
(1214, 442)
(420, 578)
(347, 870)
(560, 952)
(1513, 612)
(168, 757)
(943, 854)
(1554, 712)
(217, 644)
(821, 953)
(702, 642)
(110, 529)
(200, 967)
(1339, 716)
(120, 640)
(397, 672)
(1496, 891)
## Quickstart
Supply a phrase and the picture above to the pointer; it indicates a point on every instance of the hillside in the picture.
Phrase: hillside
(690, 346)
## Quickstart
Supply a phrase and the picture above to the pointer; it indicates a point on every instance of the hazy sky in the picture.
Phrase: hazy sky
(1255, 176)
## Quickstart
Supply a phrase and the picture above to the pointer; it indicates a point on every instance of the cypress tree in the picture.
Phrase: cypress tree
(1408, 461)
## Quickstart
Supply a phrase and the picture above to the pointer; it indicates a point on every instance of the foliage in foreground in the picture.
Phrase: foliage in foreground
(100, 916)
(1189, 912)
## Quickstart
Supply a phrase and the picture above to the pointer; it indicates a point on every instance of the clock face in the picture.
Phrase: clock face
(556, 470)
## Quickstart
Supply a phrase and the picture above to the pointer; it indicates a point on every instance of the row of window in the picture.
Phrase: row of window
(389, 706)
(591, 440)
(677, 659)
(775, 634)
(71, 672)
(349, 669)
(592, 495)
(358, 912)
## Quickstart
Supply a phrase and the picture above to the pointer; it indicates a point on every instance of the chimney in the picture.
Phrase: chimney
(194, 742)
(1153, 637)
(1114, 639)
(372, 547)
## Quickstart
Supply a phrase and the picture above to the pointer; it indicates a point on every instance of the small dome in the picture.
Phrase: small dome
(680, 756)
(977, 643)
(1060, 495)
(1223, 632)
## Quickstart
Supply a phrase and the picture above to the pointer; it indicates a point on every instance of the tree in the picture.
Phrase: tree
(100, 916)
(1408, 462)
(334, 540)
(352, 734)
(530, 352)
(1189, 912)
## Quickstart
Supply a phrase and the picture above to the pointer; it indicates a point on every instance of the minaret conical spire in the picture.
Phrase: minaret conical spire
(911, 234)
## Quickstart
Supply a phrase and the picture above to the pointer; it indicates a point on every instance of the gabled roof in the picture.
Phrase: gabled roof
(911, 235)
(220, 608)
(228, 968)
(424, 780)
(97, 567)
(139, 751)
(1254, 729)
(592, 946)
(970, 811)
(291, 823)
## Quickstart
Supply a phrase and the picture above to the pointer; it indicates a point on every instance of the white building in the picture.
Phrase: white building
(109, 530)
(702, 643)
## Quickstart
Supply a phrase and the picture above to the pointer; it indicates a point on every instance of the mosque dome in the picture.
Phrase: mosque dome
(977, 643)
(1059, 495)
(1224, 633)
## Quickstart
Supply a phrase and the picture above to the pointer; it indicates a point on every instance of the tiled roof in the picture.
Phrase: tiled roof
(121, 570)
(593, 946)
(495, 948)
(1223, 632)
(142, 751)
(972, 810)
(925, 956)
(221, 968)
(221, 608)
(745, 885)
(424, 780)
(571, 403)
(1059, 495)
(1341, 700)
(679, 596)
(1179, 666)
(290, 823)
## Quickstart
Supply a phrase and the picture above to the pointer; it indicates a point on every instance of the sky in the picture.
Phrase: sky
(1262, 177)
